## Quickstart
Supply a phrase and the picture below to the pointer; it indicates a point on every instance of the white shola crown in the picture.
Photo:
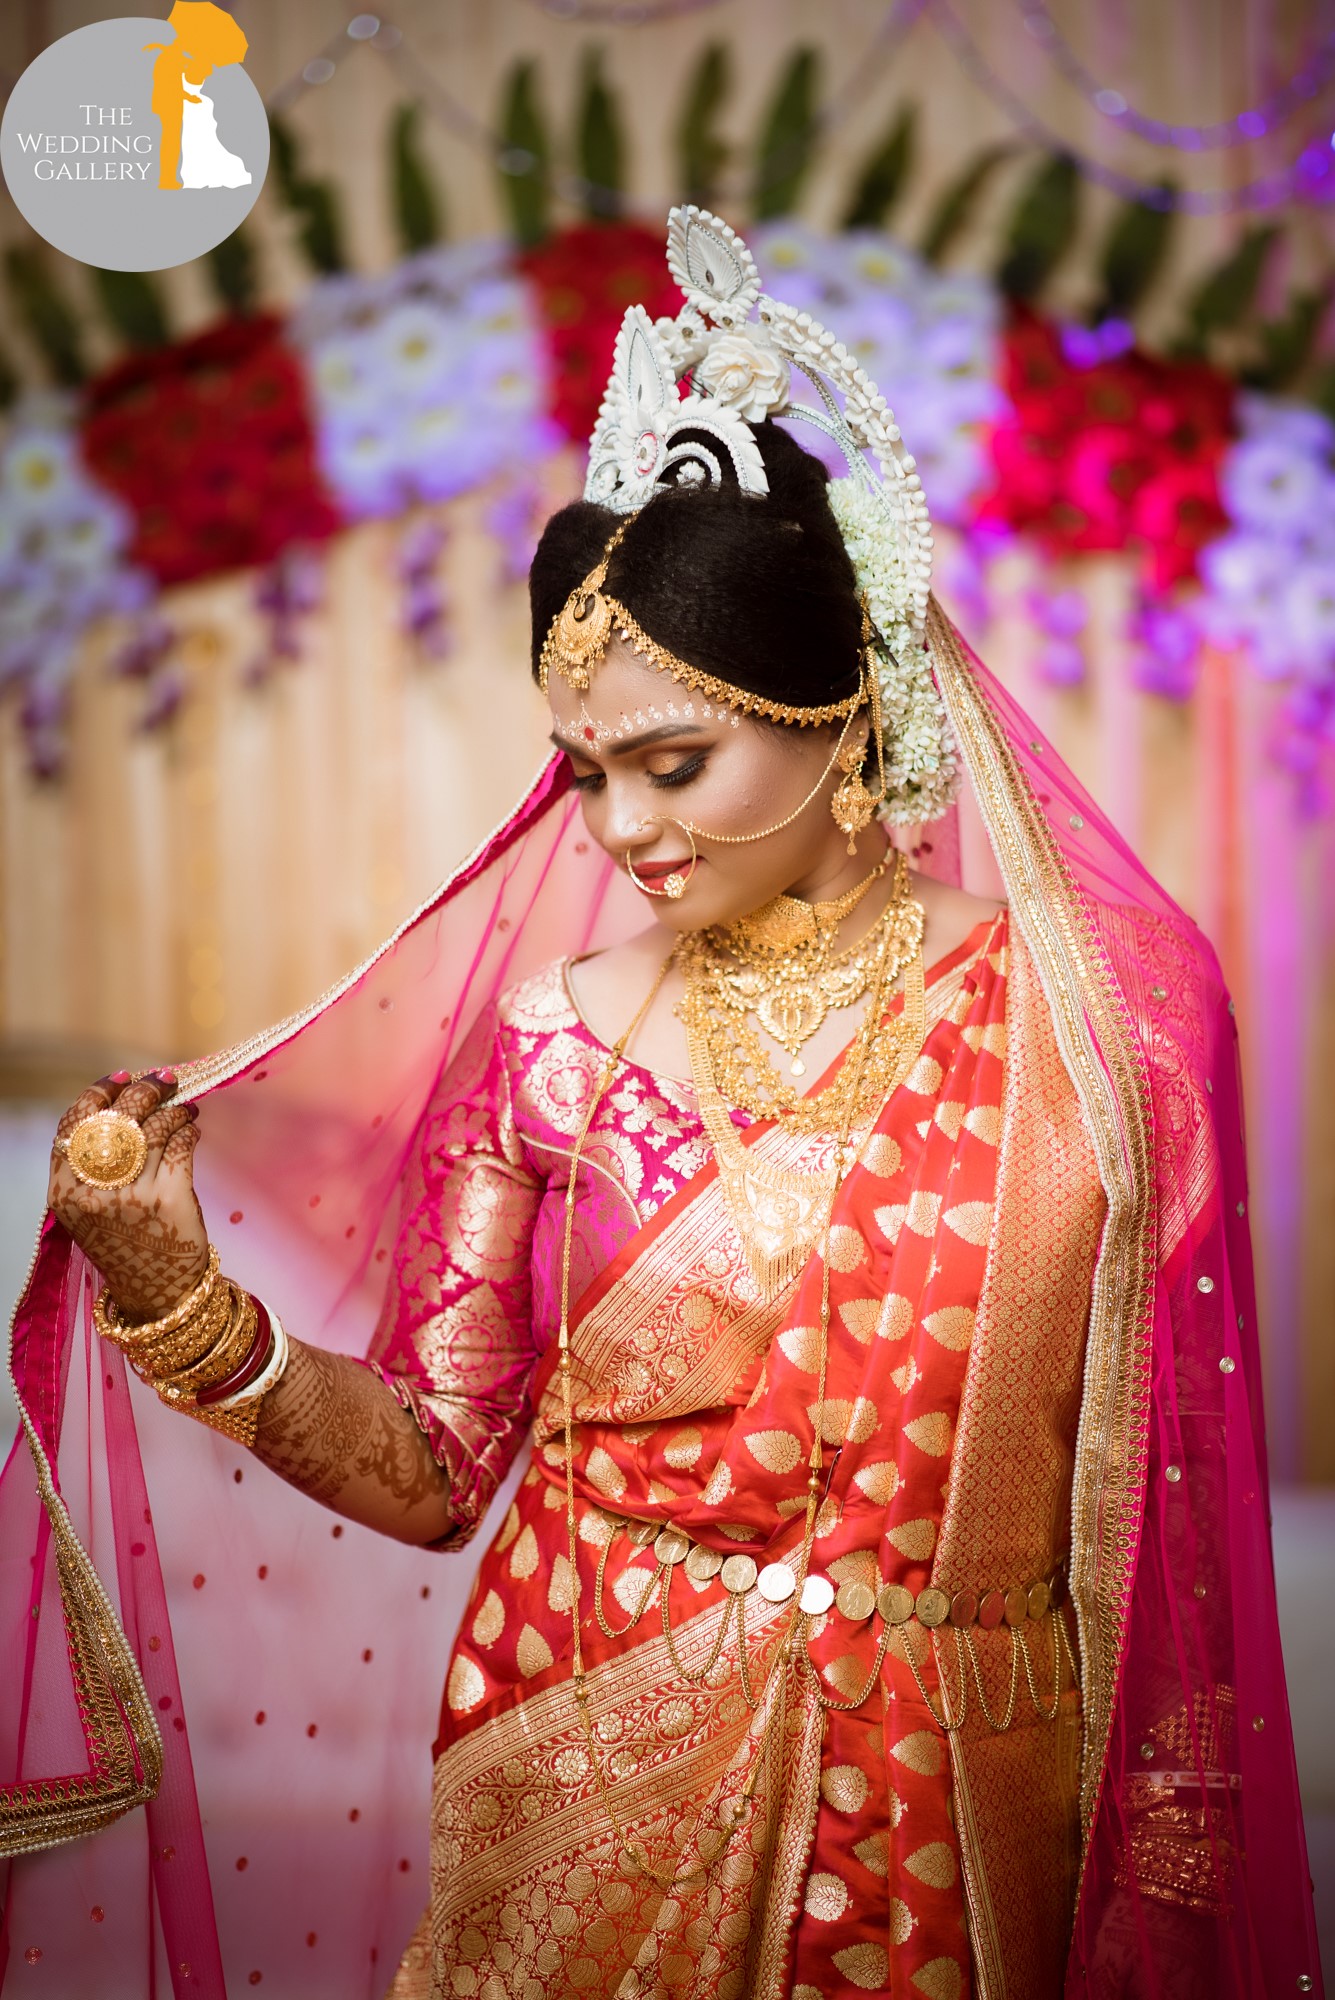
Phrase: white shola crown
(648, 435)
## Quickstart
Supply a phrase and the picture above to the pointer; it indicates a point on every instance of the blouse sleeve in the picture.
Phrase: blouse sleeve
(454, 1341)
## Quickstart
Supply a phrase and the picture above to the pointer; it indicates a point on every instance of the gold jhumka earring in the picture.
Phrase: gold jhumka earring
(854, 805)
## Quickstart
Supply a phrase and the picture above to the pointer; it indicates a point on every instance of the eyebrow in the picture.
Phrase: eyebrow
(625, 744)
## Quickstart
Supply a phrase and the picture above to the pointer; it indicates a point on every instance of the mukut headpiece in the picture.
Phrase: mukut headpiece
(740, 347)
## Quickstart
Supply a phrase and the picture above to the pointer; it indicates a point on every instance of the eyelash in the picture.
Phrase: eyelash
(682, 775)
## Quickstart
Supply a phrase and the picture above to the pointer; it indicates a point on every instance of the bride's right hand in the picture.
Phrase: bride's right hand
(148, 1239)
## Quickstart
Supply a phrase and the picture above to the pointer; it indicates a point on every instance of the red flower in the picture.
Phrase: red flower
(584, 279)
(1176, 512)
(1105, 467)
(1121, 454)
(210, 442)
(1028, 478)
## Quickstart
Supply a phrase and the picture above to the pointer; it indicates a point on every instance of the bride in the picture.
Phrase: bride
(205, 161)
(887, 1603)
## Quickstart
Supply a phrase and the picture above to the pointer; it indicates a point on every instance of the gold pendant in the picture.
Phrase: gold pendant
(791, 1015)
(778, 1208)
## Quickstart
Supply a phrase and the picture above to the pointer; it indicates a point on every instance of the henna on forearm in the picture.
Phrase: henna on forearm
(334, 1430)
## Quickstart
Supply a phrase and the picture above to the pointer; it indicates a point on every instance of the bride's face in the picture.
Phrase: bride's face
(647, 754)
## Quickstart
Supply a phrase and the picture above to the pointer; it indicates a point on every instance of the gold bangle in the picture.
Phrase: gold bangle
(190, 1342)
(202, 1340)
(221, 1359)
(239, 1424)
(112, 1324)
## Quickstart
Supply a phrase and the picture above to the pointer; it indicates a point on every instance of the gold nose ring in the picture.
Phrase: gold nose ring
(675, 885)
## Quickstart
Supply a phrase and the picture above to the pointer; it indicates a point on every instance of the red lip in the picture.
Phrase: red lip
(658, 871)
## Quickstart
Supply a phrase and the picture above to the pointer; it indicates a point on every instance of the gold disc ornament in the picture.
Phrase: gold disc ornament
(107, 1150)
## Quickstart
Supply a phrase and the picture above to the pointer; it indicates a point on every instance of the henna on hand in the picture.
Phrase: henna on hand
(331, 1428)
(145, 1258)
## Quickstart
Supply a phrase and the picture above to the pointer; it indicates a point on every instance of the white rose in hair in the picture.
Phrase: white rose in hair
(749, 379)
(684, 339)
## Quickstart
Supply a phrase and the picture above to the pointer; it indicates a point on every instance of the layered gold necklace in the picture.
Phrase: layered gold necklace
(778, 970)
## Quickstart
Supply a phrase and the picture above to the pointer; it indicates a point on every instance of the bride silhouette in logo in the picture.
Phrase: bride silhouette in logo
(207, 38)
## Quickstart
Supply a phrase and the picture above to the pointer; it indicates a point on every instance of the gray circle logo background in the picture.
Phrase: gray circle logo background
(127, 223)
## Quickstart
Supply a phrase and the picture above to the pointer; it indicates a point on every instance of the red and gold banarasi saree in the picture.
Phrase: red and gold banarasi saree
(961, 1254)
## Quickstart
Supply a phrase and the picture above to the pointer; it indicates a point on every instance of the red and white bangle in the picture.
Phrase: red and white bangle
(260, 1370)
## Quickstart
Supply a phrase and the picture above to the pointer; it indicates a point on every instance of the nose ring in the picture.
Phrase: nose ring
(674, 885)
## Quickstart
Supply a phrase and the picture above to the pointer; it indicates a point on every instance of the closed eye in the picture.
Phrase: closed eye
(681, 774)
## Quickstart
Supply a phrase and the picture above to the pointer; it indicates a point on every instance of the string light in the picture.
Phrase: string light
(622, 13)
(1312, 77)
(1308, 176)
(1314, 167)
(370, 31)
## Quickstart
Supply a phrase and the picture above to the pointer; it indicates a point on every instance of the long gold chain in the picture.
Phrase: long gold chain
(783, 1652)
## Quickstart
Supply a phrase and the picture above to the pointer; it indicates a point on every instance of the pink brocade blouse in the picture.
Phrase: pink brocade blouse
(474, 1294)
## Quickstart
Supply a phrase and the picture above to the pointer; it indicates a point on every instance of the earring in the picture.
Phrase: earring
(852, 805)
(674, 885)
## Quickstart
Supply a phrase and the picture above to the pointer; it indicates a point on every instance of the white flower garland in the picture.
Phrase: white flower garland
(922, 762)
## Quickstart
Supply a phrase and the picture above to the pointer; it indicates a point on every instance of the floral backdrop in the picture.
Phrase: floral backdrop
(467, 366)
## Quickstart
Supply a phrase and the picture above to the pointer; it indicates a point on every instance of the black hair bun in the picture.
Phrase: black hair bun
(755, 589)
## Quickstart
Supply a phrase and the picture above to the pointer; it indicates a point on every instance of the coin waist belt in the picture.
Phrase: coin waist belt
(944, 1615)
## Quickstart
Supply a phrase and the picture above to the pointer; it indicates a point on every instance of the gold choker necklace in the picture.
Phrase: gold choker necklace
(786, 923)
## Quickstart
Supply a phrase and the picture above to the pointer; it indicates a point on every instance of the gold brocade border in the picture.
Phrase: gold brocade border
(120, 1729)
(1107, 1067)
(788, 1882)
(696, 1254)
(984, 1931)
(1010, 1480)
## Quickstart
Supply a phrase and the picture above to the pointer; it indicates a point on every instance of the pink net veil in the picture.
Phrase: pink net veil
(291, 1665)
(1195, 1878)
(288, 1665)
